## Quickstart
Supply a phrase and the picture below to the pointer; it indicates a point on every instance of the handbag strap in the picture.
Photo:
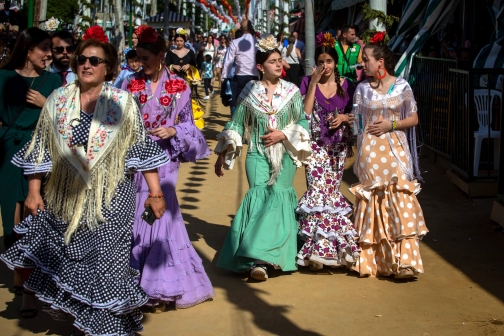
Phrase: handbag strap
(46, 74)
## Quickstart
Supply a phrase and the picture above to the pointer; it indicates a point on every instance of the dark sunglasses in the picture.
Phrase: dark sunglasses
(93, 60)
(60, 50)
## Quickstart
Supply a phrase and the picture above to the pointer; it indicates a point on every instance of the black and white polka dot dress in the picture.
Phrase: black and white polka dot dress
(90, 278)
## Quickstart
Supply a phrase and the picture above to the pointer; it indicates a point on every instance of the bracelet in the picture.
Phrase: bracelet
(151, 195)
(394, 125)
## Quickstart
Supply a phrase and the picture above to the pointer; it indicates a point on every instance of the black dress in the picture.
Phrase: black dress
(174, 59)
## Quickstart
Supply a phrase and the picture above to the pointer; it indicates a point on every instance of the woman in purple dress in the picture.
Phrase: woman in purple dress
(171, 270)
(327, 232)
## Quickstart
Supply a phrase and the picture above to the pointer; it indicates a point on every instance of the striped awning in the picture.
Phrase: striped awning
(172, 17)
(411, 16)
(436, 16)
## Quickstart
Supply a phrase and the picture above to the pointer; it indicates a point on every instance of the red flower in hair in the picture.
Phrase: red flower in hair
(143, 98)
(95, 32)
(146, 34)
(136, 85)
(377, 37)
(165, 101)
(175, 86)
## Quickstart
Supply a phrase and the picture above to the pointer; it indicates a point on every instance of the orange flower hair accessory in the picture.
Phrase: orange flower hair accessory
(325, 39)
(146, 34)
(96, 33)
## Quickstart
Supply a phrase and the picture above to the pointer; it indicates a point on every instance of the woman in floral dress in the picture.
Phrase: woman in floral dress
(171, 270)
(388, 217)
(323, 224)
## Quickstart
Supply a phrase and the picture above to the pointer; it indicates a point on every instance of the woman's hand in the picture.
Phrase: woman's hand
(274, 136)
(336, 122)
(219, 163)
(177, 67)
(185, 67)
(379, 127)
(164, 132)
(33, 203)
(35, 98)
(317, 74)
(157, 204)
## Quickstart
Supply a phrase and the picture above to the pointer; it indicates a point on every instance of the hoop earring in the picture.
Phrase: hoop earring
(377, 73)
(160, 66)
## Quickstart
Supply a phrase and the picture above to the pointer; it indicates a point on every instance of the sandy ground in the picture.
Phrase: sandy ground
(461, 293)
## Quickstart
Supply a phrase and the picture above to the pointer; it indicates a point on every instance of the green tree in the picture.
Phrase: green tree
(64, 10)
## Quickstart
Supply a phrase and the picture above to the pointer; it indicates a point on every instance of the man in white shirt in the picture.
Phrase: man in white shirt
(241, 53)
(62, 50)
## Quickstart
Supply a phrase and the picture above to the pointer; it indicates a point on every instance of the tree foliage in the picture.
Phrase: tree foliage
(64, 10)
(382, 18)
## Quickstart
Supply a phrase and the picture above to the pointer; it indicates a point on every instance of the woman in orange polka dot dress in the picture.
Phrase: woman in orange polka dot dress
(388, 217)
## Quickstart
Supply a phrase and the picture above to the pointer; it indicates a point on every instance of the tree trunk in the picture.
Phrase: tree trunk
(77, 17)
(119, 27)
(153, 8)
(309, 37)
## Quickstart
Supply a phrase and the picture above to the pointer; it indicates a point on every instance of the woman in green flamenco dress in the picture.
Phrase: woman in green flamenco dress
(270, 117)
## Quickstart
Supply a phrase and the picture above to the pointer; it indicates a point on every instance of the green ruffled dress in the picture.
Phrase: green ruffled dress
(265, 227)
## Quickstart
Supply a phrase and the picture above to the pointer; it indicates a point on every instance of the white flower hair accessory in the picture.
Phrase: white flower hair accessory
(52, 24)
(180, 31)
(267, 43)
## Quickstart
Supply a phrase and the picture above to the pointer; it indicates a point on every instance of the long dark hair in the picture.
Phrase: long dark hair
(262, 57)
(27, 40)
(337, 77)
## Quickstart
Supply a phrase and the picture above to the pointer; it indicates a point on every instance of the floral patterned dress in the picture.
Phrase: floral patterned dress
(323, 224)
(171, 270)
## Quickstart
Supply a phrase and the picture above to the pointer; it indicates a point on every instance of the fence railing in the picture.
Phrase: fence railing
(431, 87)
(448, 102)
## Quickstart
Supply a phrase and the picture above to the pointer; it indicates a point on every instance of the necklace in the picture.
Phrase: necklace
(33, 81)
(88, 100)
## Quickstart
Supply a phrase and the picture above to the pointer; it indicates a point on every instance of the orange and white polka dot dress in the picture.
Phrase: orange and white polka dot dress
(388, 218)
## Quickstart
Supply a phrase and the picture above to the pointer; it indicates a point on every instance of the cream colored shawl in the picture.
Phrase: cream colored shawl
(80, 181)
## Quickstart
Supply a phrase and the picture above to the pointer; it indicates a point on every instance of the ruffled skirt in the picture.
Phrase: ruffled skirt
(90, 278)
(170, 269)
(327, 232)
(265, 227)
(388, 217)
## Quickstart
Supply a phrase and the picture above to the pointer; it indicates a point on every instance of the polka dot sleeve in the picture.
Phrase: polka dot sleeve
(146, 154)
(29, 163)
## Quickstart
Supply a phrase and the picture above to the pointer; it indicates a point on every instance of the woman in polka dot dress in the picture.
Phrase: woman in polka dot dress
(323, 223)
(388, 217)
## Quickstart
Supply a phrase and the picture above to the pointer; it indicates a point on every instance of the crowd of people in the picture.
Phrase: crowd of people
(92, 225)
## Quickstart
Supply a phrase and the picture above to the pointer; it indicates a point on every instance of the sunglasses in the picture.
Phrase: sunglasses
(93, 60)
(61, 50)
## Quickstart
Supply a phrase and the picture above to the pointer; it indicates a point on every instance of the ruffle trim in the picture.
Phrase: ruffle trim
(19, 256)
(135, 164)
(229, 138)
(379, 185)
(303, 208)
(345, 258)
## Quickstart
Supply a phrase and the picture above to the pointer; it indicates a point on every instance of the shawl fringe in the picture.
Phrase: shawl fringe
(65, 192)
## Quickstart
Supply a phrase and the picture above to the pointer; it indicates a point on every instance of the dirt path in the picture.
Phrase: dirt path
(462, 292)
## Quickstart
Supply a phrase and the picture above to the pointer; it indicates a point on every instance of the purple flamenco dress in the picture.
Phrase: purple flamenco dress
(170, 268)
(327, 232)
